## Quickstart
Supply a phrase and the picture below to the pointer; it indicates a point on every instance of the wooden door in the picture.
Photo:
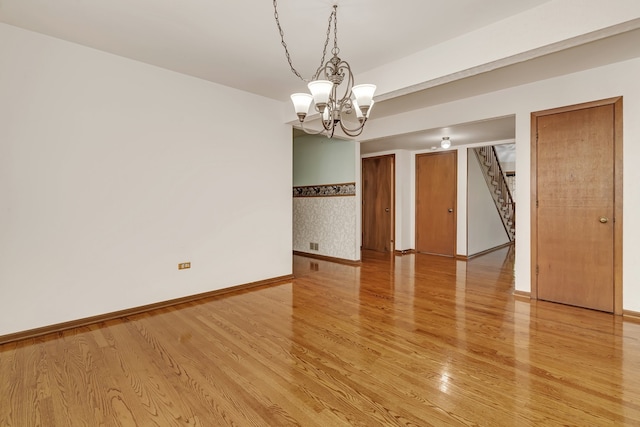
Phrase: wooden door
(436, 187)
(575, 207)
(378, 196)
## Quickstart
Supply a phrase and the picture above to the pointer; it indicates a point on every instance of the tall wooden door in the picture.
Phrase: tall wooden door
(436, 189)
(575, 206)
(378, 198)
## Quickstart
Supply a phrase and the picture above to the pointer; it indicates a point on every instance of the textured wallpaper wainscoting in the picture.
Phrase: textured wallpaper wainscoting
(325, 214)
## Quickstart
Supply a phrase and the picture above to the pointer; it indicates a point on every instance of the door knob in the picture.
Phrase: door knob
(386, 209)
(604, 219)
(450, 210)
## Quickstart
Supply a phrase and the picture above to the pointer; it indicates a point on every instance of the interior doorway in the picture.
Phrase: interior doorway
(378, 203)
(577, 205)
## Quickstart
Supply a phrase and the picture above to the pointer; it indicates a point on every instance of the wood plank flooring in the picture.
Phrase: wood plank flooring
(416, 340)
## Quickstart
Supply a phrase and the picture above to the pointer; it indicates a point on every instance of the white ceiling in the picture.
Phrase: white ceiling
(501, 129)
(236, 43)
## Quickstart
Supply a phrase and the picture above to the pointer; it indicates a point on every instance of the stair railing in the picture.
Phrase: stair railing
(500, 191)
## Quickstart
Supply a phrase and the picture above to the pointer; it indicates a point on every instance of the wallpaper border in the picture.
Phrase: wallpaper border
(329, 190)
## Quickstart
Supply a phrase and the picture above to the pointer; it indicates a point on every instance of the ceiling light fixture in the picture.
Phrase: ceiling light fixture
(446, 142)
(332, 107)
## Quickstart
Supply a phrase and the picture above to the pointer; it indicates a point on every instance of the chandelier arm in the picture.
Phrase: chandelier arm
(313, 132)
(352, 132)
(329, 125)
(326, 132)
(345, 107)
(346, 98)
(332, 17)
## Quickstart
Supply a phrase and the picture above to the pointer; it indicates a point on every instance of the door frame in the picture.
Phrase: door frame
(392, 202)
(617, 203)
(455, 198)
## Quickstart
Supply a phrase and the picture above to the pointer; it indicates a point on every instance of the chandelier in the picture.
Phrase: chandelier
(332, 102)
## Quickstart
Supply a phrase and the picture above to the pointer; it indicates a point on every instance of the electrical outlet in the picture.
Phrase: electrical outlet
(183, 265)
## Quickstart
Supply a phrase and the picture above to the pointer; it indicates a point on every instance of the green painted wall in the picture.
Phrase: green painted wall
(318, 160)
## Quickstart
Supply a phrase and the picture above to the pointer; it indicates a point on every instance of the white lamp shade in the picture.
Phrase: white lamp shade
(320, 89)
(446, 142)
(356, 107)
(364, 94)
(301, 102)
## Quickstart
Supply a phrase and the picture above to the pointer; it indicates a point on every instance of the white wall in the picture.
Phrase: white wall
(357, 164)
(484, 226)
(405, 193)
(113, 171)
(462, 231)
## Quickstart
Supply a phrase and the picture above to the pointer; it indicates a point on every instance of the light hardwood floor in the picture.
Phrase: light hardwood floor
(415, 340)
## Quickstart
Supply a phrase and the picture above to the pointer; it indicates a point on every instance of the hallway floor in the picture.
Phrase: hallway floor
(414, 340)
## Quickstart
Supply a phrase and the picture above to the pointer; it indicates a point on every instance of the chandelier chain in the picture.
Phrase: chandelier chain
(336, 50)
(332, 18)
